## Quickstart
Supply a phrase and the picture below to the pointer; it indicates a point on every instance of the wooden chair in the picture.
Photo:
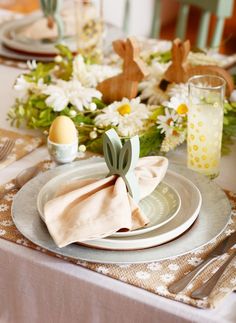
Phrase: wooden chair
(220, 8)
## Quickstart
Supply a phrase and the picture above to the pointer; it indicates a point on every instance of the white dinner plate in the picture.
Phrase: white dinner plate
(212, 220)
(160, 207)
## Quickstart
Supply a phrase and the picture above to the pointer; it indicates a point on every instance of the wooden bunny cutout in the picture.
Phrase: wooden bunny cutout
(125, 84)
(178, 68)
(180, 71)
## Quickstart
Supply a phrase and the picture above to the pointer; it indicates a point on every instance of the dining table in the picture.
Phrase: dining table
(36, 287)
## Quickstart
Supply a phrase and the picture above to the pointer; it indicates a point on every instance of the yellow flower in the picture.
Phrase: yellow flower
(182, 109)
(124, 109)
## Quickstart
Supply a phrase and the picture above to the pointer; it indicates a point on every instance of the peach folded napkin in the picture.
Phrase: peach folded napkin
(89, 209)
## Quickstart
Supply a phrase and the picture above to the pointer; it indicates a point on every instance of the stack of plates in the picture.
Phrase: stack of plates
(13, 43)
(185, 213)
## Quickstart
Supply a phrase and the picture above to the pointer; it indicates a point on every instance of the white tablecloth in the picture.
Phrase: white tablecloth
(36, 288)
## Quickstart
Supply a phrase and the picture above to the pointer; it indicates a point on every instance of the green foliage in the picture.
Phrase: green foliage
(164, 57)
(150, 141)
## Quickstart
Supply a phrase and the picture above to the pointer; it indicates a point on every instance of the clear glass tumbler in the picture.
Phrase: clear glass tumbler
(89, 29)
(205, 123)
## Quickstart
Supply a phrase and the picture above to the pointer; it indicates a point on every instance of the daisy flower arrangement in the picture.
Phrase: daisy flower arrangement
(67, 86)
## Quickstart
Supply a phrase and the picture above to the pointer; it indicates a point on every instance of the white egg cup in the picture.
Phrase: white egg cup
(63, 153)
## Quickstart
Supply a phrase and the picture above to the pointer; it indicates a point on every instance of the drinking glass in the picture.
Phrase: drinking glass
(205, 124)
(89, 29)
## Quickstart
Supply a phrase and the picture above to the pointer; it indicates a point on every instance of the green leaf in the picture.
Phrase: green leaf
(64, 51)
(150, 141)
(95, 146)
(157, 112)
(99, 103)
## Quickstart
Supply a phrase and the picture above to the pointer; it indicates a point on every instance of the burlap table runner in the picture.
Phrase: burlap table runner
(155, 276)
(24, 144)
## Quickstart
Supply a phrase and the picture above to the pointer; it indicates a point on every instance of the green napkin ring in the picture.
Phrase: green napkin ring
(122, 160)
(51, 8)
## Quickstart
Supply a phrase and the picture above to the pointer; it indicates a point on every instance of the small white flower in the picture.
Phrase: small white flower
(4, 207)
(2, 232)
(6, 223)
(72, 113)
(92, 107)
(102, 270)
(82, 148)
(32, 65)
(154, 266)
(93, 134)
(162, 290)
(9, 197)
(91, 74)
(167, 122)
(143, 275)
(58, 59)
(194, 261)
(62, 93)
(173, 267)
(129, 116)
(167, 278)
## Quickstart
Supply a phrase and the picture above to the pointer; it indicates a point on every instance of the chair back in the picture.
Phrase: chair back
(221, 9)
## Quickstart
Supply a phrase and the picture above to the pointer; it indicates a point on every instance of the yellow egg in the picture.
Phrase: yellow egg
(62, 131)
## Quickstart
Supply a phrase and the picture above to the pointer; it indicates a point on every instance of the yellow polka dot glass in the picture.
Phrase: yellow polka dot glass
(205, 124)
(89, 29)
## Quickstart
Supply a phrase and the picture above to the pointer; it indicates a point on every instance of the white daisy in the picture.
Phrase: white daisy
(129, 116)
(91, 74)
(102, 270)
(23, 86)
(171, 142)
(168, 122)
(178, 103)
(4, 207)
(62, 93)
(180, 90)
(154, 266)
(143, 275)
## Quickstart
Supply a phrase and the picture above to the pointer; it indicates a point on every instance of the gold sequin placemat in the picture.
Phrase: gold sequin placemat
(24, 144)
(153, 277)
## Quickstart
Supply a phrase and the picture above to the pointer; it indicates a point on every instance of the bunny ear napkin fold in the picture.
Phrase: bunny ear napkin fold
(94, 208)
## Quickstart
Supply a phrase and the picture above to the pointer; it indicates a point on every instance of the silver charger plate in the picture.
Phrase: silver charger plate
(213, 218)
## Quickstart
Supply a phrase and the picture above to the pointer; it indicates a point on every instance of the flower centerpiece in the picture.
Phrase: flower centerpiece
(67, 86)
